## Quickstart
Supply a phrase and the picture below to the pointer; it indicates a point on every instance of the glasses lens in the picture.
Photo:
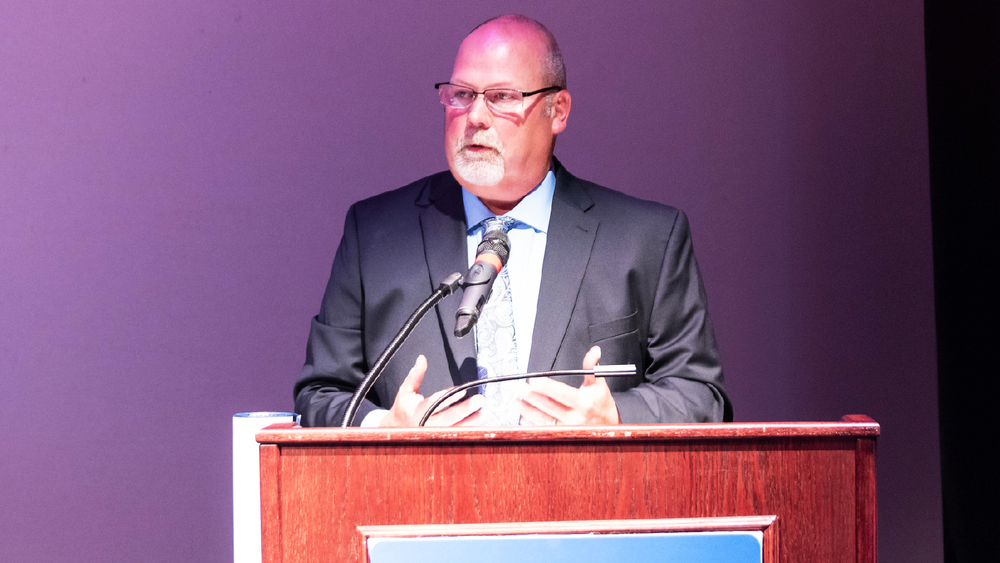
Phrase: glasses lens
(504, 100)
(456, 96)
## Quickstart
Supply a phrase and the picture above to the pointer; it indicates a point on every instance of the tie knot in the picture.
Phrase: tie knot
(500, 223)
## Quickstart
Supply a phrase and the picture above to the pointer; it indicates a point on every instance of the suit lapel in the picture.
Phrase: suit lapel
(442, 225)
(567, 252)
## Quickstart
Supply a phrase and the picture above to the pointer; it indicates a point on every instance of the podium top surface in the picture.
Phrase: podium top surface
(856, 426)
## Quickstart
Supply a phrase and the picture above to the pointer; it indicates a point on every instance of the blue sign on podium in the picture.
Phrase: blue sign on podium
(675, 547)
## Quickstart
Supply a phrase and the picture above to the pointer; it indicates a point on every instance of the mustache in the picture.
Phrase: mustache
(485, 138)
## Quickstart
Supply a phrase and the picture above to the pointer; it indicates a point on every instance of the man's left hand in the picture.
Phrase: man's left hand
(549, 402)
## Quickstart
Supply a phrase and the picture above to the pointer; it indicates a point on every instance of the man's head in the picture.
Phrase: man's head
(501, 156)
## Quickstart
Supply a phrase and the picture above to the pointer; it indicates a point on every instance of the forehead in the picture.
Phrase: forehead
(500, 56)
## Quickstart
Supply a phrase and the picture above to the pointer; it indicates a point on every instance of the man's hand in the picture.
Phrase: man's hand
(548, 401)
(410, 405)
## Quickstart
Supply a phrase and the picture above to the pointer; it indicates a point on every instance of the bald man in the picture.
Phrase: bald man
(594, 275)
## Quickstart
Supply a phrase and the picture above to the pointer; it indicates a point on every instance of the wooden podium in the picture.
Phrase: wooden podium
(810, 487)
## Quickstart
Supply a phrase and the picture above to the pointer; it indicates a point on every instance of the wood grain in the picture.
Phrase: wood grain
(817, 478)
(270, 499)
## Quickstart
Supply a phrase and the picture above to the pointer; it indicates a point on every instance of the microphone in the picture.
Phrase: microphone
(491, 256)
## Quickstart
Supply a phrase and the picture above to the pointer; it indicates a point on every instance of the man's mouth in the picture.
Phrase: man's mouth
(480, 144)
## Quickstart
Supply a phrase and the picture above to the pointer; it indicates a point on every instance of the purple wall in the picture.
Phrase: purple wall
(173, 181)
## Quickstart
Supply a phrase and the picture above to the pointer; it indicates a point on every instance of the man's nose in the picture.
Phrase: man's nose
(479, 114)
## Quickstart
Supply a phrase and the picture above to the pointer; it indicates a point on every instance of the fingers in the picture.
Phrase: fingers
(409, 406)
(411, 384)
(552, 402)
(465, 413)
(474, 419)
(548, 402)
(407, 398)
(426, 403)
(539, 410)
(552, 390)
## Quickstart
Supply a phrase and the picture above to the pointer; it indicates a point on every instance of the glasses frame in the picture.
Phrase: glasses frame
(483, 93)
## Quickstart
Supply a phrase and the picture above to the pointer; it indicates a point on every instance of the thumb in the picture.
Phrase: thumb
(590, 361)
(415, 377)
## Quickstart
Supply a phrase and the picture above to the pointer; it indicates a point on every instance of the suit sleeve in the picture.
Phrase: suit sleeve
(683, 379)
(335, 354)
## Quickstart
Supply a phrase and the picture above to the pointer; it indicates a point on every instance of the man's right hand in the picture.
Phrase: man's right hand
(410, 405)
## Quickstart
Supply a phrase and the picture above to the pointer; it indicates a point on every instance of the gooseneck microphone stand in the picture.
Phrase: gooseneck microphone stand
(446, 288)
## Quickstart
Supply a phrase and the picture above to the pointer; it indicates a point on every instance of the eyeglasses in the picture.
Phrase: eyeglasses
(499, 100)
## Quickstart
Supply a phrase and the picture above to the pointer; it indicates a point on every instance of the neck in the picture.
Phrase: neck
(502, 207)
(498, 207)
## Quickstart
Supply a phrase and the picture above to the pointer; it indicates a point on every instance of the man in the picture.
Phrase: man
(593, 274)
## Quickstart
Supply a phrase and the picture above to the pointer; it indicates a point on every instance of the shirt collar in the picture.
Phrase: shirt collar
(532, 211)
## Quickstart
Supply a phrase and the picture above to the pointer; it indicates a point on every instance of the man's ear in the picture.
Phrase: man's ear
(562, 102)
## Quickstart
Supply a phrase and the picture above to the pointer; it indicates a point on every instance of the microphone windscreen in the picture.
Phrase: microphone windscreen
(495, 242)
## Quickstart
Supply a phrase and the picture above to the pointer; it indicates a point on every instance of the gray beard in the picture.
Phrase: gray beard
(481, 170)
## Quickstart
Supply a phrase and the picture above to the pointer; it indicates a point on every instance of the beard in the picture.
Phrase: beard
(481, 169)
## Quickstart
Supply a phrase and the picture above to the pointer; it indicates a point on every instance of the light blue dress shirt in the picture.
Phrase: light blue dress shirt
(527, 251)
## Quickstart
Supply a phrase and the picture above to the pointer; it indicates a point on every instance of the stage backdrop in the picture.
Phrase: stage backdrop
(174, 178)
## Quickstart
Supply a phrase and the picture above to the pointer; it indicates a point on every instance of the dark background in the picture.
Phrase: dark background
(963, 91)
(174, 177)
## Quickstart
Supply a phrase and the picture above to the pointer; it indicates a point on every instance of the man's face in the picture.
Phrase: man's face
(500, 157)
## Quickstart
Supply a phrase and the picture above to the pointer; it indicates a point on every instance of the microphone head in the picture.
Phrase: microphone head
(497, 243)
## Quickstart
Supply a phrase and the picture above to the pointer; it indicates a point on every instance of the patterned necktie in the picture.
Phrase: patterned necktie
(496, 346)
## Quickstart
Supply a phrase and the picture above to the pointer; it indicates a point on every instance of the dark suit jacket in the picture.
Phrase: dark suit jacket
(618, 272)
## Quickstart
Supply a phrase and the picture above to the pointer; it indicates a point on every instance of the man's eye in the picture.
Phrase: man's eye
(502, 96)
(462, 94)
